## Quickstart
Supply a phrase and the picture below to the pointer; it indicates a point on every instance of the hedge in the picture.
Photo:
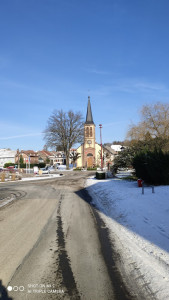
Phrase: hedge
(152, 167)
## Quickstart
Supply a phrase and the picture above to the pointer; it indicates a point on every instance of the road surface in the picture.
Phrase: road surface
(53, 244)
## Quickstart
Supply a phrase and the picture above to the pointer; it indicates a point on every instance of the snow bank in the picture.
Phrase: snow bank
(139, 226)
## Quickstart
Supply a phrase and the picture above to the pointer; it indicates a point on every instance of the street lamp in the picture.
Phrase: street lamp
(100, 126)
(18, 159)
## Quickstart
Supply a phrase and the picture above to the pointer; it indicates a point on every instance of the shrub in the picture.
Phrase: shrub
(40, 165)
(152, 167)
(6, 165)
(123, 160)
(77, 169)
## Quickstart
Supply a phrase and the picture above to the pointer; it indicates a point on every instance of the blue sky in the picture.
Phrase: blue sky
(54, 53)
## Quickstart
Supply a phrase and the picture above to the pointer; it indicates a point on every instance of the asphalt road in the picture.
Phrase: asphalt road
(53, 244)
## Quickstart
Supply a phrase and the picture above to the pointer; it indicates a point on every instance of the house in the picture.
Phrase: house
(44, 156)
(7, 156)
(117, 148)
(89, 151)
(58, 158)
(52, 157)
(28, 156)
(108, 155)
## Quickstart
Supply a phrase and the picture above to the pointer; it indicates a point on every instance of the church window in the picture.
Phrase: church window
(87, 131)
(90, 131)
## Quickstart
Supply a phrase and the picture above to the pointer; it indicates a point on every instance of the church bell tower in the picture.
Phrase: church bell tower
(89, 138)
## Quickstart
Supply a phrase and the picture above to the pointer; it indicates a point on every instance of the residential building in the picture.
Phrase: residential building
(7, 156)
(108, 156)
(58, 158)
(28, 156)
(44, 156)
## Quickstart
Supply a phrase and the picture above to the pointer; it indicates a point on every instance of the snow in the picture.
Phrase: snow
(47, 176)
(139, 229)
(116, 147)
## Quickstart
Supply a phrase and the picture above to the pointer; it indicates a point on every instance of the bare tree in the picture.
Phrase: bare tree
(154, 122)
(74, 156)
(64, 129)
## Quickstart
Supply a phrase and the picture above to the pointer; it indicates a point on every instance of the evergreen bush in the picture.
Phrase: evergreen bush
(152, 166)
(40, 165)
(6, 165)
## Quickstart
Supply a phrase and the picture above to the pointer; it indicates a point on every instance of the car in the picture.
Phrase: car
(62, 167)
(45, 171)
(51, 169)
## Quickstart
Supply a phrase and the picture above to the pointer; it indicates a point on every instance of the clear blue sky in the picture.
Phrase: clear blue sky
(54, 53)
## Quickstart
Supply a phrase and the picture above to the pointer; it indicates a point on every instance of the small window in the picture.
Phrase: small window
(87, 131)
(90, 131)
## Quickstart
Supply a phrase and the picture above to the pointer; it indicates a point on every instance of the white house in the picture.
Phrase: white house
(7, 156)
(58, 157)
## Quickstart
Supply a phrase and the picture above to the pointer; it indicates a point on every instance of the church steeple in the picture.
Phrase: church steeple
(89, 117)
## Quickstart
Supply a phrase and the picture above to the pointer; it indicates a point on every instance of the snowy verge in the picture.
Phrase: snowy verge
(38, 177)
(139, 229)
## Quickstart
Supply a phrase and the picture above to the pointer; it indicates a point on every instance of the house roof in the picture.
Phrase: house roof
(117, 148)
(109, 149)
(7, 153)
(29, 152)
(45, 152)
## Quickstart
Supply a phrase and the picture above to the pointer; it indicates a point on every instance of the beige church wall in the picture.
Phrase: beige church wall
(97, 155)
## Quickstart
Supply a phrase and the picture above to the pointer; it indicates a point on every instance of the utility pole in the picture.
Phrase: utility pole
(18, 159)
(29, 164)
(100, 126)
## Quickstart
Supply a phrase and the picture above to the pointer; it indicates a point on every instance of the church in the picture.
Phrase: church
(89, 151)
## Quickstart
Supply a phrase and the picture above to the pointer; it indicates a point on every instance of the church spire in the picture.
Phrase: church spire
(89, 117)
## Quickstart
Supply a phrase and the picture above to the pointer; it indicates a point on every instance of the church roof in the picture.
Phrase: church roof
(89, 117)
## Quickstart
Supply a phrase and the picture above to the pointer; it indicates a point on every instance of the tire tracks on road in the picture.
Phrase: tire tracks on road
(64, 268)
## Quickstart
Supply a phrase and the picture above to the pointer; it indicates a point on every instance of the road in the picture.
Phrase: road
(54, 245)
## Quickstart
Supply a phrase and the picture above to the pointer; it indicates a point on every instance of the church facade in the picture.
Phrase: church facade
(89, 151)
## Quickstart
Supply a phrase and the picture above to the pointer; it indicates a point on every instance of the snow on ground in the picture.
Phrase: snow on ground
(139, 229)
(35, 177)
(47, 176)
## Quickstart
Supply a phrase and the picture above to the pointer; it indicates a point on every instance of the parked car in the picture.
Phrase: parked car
(51, 169)
(45, 171)
(62, 167)
(11, 169)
